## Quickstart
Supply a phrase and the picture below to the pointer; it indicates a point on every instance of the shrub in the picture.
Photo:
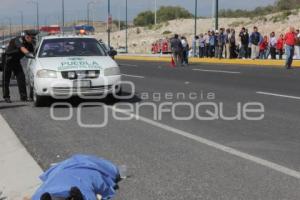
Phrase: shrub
(164, 14)
(167, 32)
(236, 24)
(280, 5)
(167, 13)
(144, 19)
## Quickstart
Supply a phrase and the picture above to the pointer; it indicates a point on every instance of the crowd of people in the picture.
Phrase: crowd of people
(226, 43)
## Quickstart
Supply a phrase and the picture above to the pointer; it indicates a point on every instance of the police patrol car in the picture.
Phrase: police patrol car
(71, 65)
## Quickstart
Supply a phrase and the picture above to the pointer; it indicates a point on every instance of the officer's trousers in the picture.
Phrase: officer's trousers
(13, 66)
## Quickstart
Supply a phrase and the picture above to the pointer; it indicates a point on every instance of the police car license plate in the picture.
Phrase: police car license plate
(82, 84)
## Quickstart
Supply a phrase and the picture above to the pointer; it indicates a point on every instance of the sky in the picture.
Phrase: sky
(50, 10)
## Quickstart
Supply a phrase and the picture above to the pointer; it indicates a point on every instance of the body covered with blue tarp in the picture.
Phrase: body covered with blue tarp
(92, 175)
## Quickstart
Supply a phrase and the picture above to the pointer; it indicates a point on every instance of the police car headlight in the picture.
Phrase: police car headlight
(112, 71)
(46, 74)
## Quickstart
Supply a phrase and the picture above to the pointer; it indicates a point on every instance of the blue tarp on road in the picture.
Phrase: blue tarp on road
(92, 175)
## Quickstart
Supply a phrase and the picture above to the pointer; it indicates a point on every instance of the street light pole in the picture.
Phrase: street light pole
(119, 17)
(3, 38)
(88, 11)
(37, 14)
(2, 28)
(10, 27)
(196, 10)
(63, 12)
(126, 45)
(22, 21)
(216, 14)
(108, 21)
(155, 14)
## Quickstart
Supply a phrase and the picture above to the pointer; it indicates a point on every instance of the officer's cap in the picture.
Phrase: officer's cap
(31, 32)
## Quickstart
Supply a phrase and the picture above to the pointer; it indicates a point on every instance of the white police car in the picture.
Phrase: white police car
(66, 66)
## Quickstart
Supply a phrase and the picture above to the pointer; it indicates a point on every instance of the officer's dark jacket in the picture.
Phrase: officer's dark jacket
(13, 49)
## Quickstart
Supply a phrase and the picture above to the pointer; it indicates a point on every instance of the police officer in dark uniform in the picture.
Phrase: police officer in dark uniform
(18, 48)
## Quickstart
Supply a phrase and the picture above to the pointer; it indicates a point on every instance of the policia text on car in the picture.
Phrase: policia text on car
(18, 48)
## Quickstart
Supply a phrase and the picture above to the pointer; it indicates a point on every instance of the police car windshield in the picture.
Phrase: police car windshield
(67, 47)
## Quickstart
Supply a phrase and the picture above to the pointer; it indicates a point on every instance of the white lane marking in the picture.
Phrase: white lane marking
(278, 95)
(217, 71)
(229, 150)
(134, 76)
(128, 65)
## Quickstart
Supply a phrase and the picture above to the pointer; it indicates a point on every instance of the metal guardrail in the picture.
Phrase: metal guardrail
(4, 41)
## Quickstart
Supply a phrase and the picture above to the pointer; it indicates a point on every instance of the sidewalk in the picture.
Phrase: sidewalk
(167, 58)
(19, 173)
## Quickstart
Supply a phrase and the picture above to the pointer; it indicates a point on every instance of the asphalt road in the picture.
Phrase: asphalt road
(182, 159)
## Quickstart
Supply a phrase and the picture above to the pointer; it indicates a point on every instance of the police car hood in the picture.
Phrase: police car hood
(77, 63)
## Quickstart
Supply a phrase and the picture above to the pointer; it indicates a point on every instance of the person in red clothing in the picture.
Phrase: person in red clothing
(290, 39)
(263, 48)
(280, 45)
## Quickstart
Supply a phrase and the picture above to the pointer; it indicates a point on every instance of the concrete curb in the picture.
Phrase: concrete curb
(19, 173)
(267, 63)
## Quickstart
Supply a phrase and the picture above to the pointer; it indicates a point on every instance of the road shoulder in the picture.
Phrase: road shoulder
(18, 170)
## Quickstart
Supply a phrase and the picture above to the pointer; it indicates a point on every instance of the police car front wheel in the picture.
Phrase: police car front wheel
(39, 100)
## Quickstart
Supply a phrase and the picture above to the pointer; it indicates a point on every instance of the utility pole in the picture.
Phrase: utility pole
(216, 14)
(196, 14)
(126, 24)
